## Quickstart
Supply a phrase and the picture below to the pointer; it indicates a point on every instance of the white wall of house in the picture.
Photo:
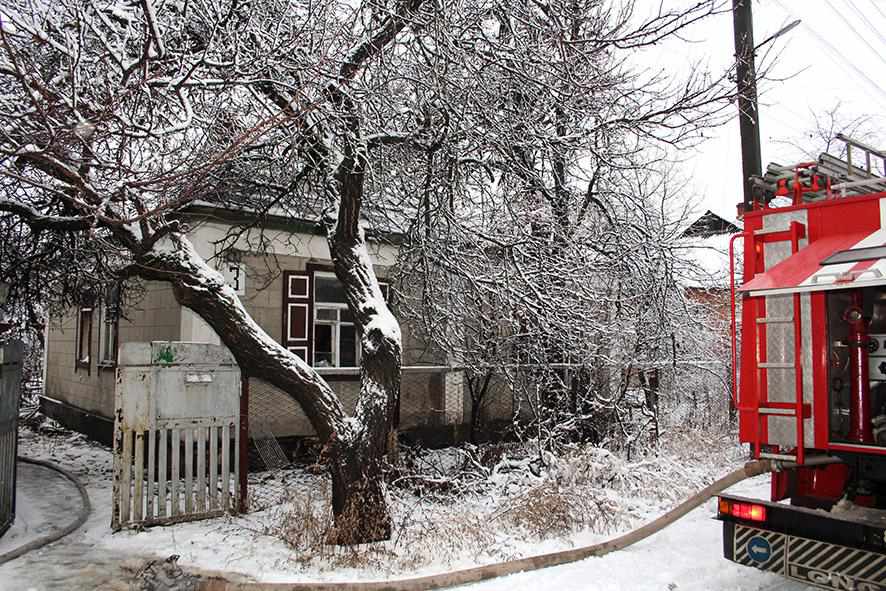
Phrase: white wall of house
(206, 236)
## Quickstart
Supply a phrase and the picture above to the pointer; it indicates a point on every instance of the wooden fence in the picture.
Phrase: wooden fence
(10, 381)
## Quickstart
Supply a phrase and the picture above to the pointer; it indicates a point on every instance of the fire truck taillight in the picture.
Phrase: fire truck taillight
(746, 511)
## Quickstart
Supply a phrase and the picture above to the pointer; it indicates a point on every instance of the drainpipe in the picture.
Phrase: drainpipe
(860, 425)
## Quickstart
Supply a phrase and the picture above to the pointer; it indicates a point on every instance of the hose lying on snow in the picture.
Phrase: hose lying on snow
(80, 518)
(482, 573)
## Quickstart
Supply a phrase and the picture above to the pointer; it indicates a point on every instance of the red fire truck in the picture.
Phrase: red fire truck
(810, 373)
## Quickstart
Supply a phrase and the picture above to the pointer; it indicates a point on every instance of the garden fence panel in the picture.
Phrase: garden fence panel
(11, 355)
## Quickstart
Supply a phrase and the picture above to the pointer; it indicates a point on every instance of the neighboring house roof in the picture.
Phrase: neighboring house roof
(710, 224)
(704, 252)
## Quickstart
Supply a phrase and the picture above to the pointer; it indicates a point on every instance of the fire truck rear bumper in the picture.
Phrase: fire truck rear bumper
(810, 547)
(824, 565)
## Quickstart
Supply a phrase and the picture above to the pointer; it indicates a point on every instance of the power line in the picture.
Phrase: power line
(867, 21)
(854, 30)
(877, 8)
(836, 54)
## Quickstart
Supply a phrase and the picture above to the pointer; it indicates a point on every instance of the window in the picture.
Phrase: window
(336, 340)
(84, 337)
(109, 328)
(335, 335)
(317, 324)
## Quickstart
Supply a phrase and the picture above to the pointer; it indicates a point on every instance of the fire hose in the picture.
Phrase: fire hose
(491, 571)
(79, 519)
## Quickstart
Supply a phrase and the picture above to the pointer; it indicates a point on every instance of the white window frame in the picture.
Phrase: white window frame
(336, 324)
(294, 337)
(83, 358)
(298, 291)
(300, 351)
(108, 321)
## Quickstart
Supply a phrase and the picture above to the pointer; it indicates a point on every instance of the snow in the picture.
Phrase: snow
(381, 320)
(687, 556)
(30, 522)
(440, 535)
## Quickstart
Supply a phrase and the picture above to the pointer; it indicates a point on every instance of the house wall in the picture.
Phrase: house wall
(155, 317)
(272, 412)
(430, 397)
(717, 299)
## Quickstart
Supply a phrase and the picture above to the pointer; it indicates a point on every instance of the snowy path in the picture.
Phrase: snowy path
(46, 501)
(687, 556)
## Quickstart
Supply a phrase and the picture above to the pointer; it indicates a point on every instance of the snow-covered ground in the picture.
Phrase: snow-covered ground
(507, 511)
(687, 556)
(43, 500)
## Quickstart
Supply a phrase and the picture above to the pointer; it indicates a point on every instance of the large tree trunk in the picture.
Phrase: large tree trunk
(355, 445)
(358, 499)
(358, 495)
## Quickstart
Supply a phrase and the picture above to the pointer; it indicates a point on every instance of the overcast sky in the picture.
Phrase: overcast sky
(837, 55)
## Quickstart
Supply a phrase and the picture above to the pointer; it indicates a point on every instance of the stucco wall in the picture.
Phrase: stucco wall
(156, 317)
(264, 289)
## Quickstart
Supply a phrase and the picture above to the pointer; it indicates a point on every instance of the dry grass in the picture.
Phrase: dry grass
(422, 532)
(549, 511)
(306, 525)
(498, 503)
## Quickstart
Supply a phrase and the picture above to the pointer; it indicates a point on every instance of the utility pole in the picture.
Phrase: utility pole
(748, 113)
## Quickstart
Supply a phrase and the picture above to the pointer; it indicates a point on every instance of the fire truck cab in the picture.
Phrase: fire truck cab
(810, 373)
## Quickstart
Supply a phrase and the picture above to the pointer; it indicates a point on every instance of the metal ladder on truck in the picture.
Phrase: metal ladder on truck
(861, 178)
(797, 409)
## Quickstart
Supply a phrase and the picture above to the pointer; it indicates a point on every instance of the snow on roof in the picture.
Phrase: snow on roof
(709, 224)
(307, 215)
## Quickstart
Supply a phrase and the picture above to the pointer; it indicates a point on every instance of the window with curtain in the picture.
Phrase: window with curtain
(109, 327)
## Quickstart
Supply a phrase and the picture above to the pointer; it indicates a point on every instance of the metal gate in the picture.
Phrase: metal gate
(10, 382)
(176, 433)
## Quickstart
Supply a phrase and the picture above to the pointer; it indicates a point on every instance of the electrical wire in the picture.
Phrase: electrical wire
(854, 30)
(836, 55)
(867, 21)
(877, 8)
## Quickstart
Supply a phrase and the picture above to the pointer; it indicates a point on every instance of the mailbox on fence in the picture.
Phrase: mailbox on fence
(176, 433)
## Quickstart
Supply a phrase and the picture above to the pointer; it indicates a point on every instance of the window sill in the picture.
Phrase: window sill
(339, 373)
(348, 371)
(106, 365)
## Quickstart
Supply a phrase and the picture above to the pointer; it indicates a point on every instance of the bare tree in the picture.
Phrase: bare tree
(117, 115)
(824, 126)
(542, 239)
(440, 114)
